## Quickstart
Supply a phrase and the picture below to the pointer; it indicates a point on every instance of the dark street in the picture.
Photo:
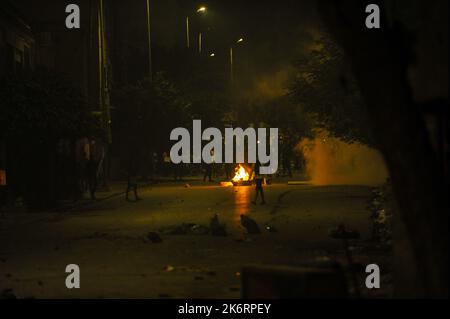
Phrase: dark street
(108, 240)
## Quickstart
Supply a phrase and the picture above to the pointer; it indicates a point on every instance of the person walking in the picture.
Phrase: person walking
(259, 181)
(208, 173)
(228, 171)
(132, 180)
(209, 168)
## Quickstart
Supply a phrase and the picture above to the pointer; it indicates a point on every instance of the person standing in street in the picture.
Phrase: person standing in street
(259, 181)
(132, 179)
(209, 169)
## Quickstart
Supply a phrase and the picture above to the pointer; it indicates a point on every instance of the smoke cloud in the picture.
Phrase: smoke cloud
(332, 161)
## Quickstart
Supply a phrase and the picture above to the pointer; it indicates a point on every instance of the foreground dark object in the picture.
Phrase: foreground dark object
(311, 281)
(250, 225)
(400, 130)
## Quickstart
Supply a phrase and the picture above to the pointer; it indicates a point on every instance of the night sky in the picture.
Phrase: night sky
(275, 32)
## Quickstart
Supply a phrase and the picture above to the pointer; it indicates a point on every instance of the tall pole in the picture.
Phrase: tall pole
(200, 38)
(104, 101)
(187, 33)
(100, 60)
(232, 63)
(104, 94)
(231, 68)
(149, 33)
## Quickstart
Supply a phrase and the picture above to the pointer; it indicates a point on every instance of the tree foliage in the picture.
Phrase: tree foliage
(325, 88)
(43, 104)
(146, 112)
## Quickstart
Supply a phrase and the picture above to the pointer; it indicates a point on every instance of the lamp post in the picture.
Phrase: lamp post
(232, 58)
(188, 36)
(188, 44)
(149, 34)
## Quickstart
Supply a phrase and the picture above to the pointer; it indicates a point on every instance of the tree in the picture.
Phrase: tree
(381, 62)
(146, 114)
(326, 89)
(43, 105)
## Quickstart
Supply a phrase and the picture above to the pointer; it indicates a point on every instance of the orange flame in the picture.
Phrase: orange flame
(241, 174)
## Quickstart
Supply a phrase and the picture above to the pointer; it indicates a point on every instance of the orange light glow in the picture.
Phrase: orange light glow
(241, 174)
(226, 184)
(242, 200)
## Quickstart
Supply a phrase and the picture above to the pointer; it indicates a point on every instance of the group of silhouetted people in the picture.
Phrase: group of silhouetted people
(91, 178)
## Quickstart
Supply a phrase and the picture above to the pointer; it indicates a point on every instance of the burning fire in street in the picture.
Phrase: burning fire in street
(241, 178)
(241, 175)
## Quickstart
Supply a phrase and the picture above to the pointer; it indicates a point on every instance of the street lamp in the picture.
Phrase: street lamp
(201, 10)
(239, 41)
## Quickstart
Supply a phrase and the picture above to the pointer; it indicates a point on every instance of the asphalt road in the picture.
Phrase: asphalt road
(108, 240)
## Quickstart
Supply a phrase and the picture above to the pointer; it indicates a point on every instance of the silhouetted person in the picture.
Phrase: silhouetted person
(208, 173)
(132, 180)
(91, 174)
(287, 170)
(259, 180)
(216, 228)
(228, 171)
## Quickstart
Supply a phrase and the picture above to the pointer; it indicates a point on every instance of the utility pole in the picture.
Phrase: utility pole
(104, 98)
(150, 66)
(104, 94)
(231, 68)
(187, 33)
(201, 10)
(240, 41)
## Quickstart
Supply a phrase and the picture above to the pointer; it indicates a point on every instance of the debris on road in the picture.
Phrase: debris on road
(271, 229)
(217, 229)
(250, 225)
(169, 268)
(199, 230)
(154, 237)
(182, 229)
(341, 232)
